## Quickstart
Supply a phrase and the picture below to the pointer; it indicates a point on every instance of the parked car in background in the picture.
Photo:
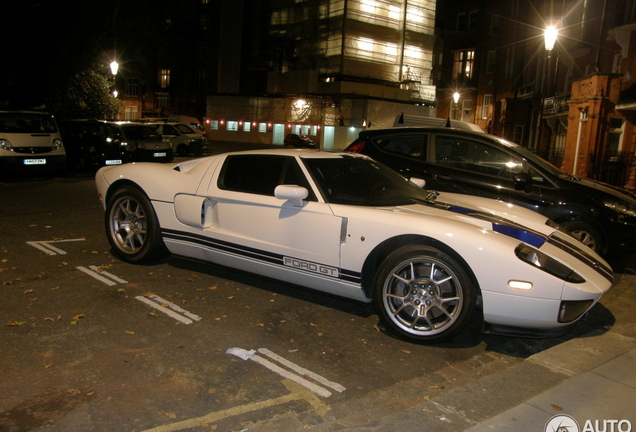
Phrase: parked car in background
(300, 141)
(144, 141)
(92, 144)
(184, 140)
(30, 141)
(347, 225)
(601, 216)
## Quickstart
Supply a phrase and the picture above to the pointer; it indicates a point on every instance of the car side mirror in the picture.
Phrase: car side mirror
(523, 181)
(293, 193)
(418, 181)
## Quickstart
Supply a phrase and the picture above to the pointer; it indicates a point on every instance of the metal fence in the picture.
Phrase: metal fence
(612, 168)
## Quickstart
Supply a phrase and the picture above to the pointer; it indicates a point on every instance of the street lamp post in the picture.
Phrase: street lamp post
(456, 96)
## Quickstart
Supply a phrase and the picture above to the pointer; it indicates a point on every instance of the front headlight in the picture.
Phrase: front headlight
(546, 263)
(5, 145)
(57, 144)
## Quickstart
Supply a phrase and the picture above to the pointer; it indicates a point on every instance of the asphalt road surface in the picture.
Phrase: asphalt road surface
(89, 343)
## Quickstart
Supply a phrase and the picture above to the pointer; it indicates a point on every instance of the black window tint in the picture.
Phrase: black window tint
(475, 156)
(169, 130)
(406, 145)
(260, 175)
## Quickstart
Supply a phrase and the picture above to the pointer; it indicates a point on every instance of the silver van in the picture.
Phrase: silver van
(30, 141)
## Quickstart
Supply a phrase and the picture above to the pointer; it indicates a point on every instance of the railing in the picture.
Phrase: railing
(613, 168)
(556, 104)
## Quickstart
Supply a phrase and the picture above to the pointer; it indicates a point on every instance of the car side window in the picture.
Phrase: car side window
(414, 146)
(475, 156)
(258, 174)
(169, 130)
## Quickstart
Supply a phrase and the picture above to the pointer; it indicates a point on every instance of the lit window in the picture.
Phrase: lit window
(214, 125)
(262, 127)
(164, 78)
(247, 126)
(463, 65)
(232, 126)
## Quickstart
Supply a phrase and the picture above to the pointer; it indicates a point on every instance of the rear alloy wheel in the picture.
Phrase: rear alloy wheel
(423, 295)
(132, 227)
(585, 233)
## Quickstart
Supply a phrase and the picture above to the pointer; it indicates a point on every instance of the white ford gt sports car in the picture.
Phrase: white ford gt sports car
(346, 225)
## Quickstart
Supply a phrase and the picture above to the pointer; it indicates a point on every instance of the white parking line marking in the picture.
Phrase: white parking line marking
(165, 306)
(300, 379)
(110, 275)
(46, 246)
(302, 371)
(94, 272)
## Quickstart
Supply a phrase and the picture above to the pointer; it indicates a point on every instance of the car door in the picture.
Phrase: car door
(261, 230)
(475, 167)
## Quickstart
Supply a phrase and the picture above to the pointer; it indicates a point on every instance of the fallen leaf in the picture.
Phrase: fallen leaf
(48, 365)
(49, 319)
(73, 391)
(79, 317)
(129, 332)
(375, 326)
(14, 323)
(406, 351)
(319, 333)
(260, 325)
(170, 415)
(437, 386)
(556, 407)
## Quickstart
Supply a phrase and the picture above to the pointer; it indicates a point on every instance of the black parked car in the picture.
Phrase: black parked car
(601, 216)
(92, 144)
(96, 143)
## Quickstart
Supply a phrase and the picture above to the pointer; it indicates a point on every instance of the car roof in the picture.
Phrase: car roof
(439, 130)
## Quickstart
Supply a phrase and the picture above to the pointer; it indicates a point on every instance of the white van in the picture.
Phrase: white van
(30, 141)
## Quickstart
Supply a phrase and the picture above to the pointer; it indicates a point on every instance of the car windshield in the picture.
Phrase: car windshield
(362, 181)
(184, 129)
(26, 123)
(140, 132)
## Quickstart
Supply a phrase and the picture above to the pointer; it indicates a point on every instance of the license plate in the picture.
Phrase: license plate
(34, 161)
(160, 154)
(113, 162)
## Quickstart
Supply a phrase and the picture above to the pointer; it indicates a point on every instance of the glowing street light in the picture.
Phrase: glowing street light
(456, 97)
(550, 36)
(114, 67)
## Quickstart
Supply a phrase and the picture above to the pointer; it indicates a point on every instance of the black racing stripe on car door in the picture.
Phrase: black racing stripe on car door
(248, 252)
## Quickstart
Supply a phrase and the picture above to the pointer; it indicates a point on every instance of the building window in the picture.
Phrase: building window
(510, 64)
(164, 78)
(262, 127)
(232, 126)
(486, 106)
(132, 87)
(462, 20)
(214, 125)
(494, 25)
(463, 65)
(491, 62)
(162, 100)
(247, 126)
(517, 134)
(473, 20)
(615, 138)
(467, 106)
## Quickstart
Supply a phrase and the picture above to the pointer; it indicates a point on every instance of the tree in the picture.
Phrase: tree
(86, 95)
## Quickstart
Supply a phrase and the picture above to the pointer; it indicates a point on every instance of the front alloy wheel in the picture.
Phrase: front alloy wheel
(423, 294)
(132, 227)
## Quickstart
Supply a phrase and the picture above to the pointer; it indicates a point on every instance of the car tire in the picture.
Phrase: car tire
(132, 227)
(585, 233)
(183, 150)
(423, 294)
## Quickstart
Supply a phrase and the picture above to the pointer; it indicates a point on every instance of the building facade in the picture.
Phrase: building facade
(570, 104)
